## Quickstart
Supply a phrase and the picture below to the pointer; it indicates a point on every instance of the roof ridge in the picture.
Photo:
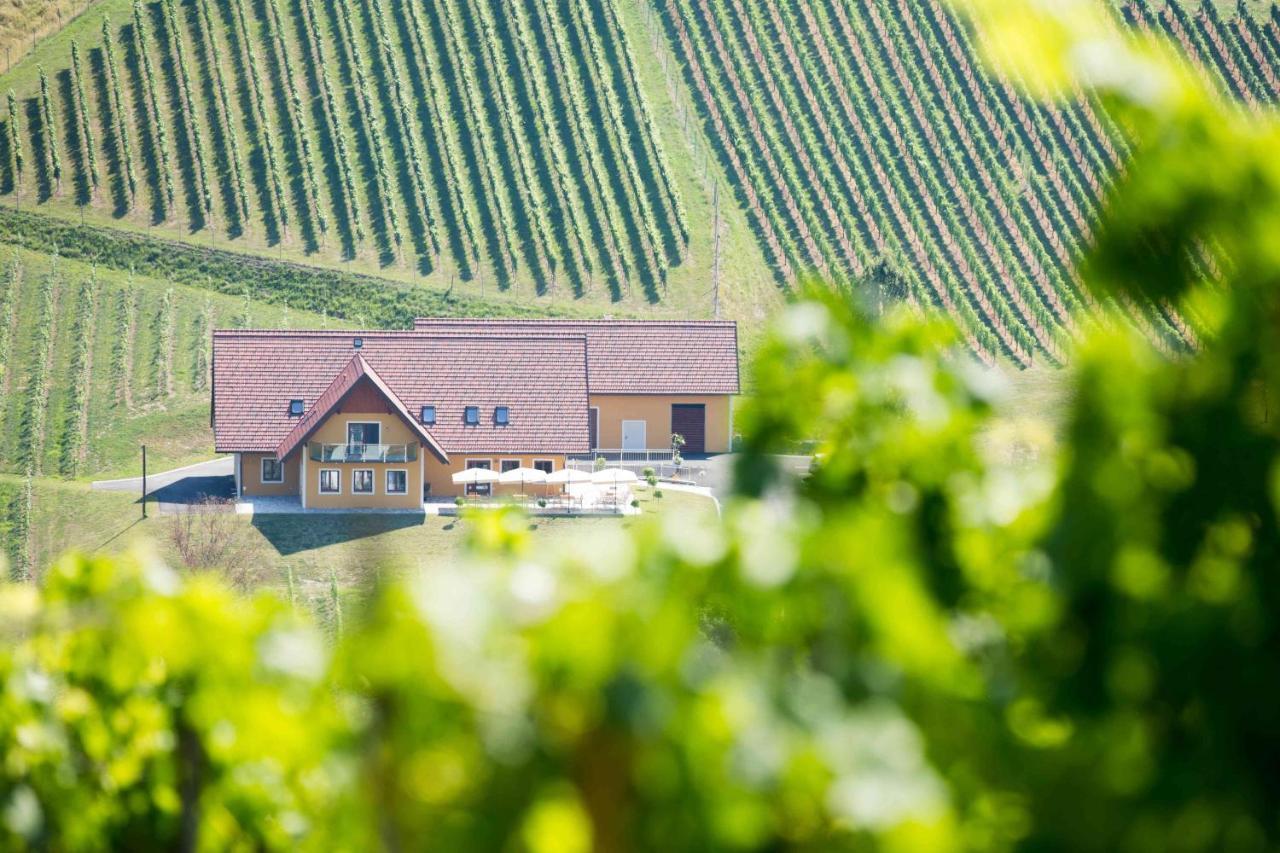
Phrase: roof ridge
(593, 321)
(411, 334)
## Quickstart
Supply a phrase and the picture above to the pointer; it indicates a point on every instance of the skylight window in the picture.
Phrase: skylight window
(502, 415)
(358, 343)
(296, 408)
(471, 416)
(428, 415)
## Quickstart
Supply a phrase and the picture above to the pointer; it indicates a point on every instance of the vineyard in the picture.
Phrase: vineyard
(675, 156)
(513, 142)
(95, 362)
(866, 143)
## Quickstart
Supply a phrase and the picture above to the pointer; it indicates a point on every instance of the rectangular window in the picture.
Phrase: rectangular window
(295, 408)
(397, 482)
(546, 466)
(362, 481)
(428, 415)
(272, 471)
(471, 415)
(508, 465)
(364, 432)
(330, 481)
(502, 415)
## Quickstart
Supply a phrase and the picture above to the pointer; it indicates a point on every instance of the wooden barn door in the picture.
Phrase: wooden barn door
(690, 421)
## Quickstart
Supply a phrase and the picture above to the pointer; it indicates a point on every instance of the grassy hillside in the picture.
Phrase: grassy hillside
(311, 564)
(23, 23)
(524, 148)
(174, 165)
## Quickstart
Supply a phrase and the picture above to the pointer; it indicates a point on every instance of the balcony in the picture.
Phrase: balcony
(318, 452)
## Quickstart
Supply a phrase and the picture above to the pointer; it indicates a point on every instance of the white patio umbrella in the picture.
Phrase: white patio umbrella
(614, 476)
(522, 476)
(568, 475)
(475, 477)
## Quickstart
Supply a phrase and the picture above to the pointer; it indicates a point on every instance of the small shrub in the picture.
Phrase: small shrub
(658, 494)
(542, 503)
(208, 536)
(635, 504)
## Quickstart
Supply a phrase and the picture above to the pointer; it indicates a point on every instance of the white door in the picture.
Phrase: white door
(633, 437)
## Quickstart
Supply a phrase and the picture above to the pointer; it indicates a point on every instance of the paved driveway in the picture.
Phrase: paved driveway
(716, 472)
(181, 486)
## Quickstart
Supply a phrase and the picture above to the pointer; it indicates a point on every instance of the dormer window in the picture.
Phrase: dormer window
(296, 408)
(428, 415)
(471, 416)
(502, 415)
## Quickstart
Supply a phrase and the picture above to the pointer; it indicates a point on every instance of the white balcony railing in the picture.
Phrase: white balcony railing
(363, 452)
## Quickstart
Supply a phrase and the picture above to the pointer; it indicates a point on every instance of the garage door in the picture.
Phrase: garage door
(690, 421)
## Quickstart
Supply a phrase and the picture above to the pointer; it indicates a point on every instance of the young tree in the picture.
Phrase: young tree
(50, 131)
(85, 126)
(16, 159)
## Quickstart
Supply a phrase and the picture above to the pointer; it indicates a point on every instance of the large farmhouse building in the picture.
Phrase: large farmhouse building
(346, 419)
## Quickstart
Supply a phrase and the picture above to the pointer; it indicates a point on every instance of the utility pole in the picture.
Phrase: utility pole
(144, 481)
(715, 257)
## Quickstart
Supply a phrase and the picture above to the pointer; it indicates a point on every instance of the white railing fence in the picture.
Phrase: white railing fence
(661, 461)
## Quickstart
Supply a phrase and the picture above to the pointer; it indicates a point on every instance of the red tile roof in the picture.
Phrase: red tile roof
(331, 398)
(633, 356)
(543, 378)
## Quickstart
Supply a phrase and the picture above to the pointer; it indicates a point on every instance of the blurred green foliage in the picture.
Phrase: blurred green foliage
(912, 649)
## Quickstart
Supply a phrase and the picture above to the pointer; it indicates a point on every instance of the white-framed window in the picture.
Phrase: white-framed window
(362, 481)
(479, 488)
(330, 481)
(508, 465)
(546, 466)
(272, 470)
(397, 481)
(364, 432)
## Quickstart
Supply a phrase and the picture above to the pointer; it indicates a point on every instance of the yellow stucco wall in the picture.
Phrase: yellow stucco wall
(439, 475)
(394, 431)
(251, 475)
(655, 411)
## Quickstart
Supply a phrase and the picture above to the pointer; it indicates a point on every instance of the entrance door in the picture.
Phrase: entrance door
(633, 435)
(484, 489)
(690, 421)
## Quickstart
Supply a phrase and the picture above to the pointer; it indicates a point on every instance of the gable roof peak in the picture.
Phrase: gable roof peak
(355, 370)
